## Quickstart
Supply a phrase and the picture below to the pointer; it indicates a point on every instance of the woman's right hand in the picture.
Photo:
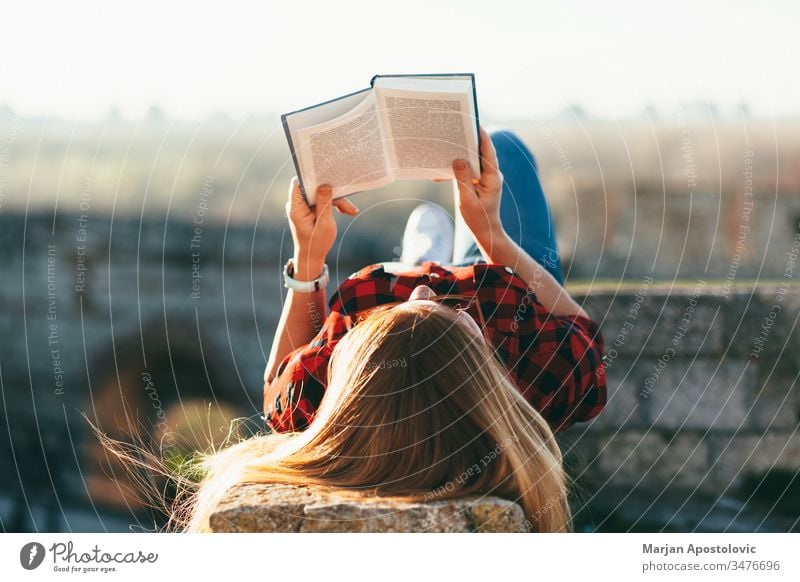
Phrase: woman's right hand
(479, 204)
(313, 229)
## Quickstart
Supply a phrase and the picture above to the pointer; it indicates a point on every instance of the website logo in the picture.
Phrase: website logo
(31, 555)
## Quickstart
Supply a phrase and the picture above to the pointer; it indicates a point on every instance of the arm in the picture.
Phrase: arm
(292, 398)
(500, 249)
(313, 233)
(563, 378)
(301, 319)
(479, 205)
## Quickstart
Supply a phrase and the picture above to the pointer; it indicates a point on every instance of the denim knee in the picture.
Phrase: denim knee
(508, 145)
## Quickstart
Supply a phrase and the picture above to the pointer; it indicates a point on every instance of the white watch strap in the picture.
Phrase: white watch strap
(304, 286)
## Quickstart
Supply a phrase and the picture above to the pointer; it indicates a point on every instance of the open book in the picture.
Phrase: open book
(401, 127)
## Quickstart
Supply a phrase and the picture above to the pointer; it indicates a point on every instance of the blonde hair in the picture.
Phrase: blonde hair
(416, 408)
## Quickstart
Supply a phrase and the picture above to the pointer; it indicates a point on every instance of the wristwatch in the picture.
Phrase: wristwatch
(304, 286)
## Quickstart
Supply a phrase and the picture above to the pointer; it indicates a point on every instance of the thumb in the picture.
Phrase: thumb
(324, 201)
(463, 176)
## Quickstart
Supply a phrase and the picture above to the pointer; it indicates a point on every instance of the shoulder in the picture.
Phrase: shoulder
(480, 275)
(499, 277)
(376, 284)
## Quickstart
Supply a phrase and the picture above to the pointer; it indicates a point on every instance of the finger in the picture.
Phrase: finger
(345, 207)
(464, 178)
(297, 205)
(488, 153)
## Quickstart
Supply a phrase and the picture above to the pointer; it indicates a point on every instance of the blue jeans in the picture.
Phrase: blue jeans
(524, 212)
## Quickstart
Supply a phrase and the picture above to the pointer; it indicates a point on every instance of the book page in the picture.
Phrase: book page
(348, 152)
(326, 111)
(426, 131)
(317, 114)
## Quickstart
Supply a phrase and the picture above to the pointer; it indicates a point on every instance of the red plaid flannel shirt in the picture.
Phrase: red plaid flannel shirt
(555, 361)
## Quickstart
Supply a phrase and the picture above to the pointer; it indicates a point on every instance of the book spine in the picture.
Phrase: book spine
(285, 123)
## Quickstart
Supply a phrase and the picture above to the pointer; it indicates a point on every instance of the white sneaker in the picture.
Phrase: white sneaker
(428, 236)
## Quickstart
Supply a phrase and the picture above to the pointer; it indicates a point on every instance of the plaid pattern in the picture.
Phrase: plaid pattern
(555, 361)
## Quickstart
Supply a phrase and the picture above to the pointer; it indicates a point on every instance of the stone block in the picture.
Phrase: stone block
(684, 463)
(622, 409)
(648, 321)
(623, 458)
(736, 456)
(773, 400)
(287, 508)
(636, 458)
(763, 323)
(699, 394)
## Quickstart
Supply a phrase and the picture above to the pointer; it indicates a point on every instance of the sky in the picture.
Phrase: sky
(192, 59)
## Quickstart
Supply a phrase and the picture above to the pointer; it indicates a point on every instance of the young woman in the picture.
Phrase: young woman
(427, 381)
(505, 244)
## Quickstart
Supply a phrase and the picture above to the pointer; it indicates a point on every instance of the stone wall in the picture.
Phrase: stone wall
(285, 508)
(703, 397)
(702, 376)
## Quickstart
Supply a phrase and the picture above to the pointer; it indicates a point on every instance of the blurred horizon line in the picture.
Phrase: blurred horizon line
(694, 111)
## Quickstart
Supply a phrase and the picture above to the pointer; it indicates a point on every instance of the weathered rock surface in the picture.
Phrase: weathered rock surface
(287, 508)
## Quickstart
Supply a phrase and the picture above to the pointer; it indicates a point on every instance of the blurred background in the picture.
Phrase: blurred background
(143, 173)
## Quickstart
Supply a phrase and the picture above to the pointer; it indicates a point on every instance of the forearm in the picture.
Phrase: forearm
(301, 320)
(497, 247)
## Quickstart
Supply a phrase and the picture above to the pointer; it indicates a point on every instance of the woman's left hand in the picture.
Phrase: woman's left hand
(479, 203)
(313, 229)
